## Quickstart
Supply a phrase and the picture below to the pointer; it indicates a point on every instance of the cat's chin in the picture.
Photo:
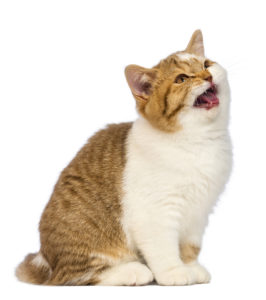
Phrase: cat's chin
(208, 99)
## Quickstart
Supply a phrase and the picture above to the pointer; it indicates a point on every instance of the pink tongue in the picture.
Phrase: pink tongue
(209, 97)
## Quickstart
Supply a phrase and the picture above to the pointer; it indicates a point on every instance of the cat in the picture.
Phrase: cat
(132, 206)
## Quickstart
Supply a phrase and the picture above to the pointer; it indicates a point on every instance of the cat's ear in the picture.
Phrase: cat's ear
(195, 45)
(140, 81)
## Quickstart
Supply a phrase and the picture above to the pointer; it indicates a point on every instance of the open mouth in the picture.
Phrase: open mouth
(208, 99)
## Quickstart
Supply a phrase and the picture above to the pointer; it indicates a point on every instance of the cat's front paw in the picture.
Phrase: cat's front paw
(200, 273)
(182, 275)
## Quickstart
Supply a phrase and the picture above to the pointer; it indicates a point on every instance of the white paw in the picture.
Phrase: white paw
(201, 275)
(132, 273)
(139, 275)
(182, 275)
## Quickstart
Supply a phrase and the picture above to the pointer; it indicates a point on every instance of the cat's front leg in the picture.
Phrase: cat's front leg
(189, 252)
(158, 243)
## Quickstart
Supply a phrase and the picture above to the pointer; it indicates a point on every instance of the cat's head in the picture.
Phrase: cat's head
(183, 89)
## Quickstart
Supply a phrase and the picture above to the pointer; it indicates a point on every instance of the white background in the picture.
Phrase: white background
(62, 78)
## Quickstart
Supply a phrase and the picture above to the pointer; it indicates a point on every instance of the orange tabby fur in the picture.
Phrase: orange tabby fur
(188, 252)
(82, 218)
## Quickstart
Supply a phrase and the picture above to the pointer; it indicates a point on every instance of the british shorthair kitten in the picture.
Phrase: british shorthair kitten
(132, 206)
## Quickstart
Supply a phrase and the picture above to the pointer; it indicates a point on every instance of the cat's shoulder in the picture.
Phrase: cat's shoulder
(112, 131)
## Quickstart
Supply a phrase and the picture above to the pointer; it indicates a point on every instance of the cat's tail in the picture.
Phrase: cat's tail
(34, 269)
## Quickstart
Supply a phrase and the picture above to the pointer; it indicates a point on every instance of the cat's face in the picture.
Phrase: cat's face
(183, 89)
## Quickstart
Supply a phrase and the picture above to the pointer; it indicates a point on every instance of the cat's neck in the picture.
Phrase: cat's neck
(145, 132)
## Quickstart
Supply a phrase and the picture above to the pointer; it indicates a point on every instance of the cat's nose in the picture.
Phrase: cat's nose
(208, 78)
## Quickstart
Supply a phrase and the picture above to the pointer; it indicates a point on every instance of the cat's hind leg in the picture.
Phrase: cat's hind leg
(130, 274)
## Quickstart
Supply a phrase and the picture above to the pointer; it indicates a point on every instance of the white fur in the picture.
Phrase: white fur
(187, 56)
(131, 273)
(40, 261)
(172, 181)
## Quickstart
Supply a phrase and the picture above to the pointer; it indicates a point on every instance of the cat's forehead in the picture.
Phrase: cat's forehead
(182, 61)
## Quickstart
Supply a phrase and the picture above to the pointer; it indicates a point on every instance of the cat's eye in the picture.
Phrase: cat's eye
(207, 64)
(181, 78)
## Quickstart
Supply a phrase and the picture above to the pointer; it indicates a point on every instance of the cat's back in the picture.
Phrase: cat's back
(103, 153)
(96, 168)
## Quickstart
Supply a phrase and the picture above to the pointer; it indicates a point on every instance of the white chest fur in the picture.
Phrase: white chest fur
(173, 180)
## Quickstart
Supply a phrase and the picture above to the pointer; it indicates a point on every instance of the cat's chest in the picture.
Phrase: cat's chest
(179, 167)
